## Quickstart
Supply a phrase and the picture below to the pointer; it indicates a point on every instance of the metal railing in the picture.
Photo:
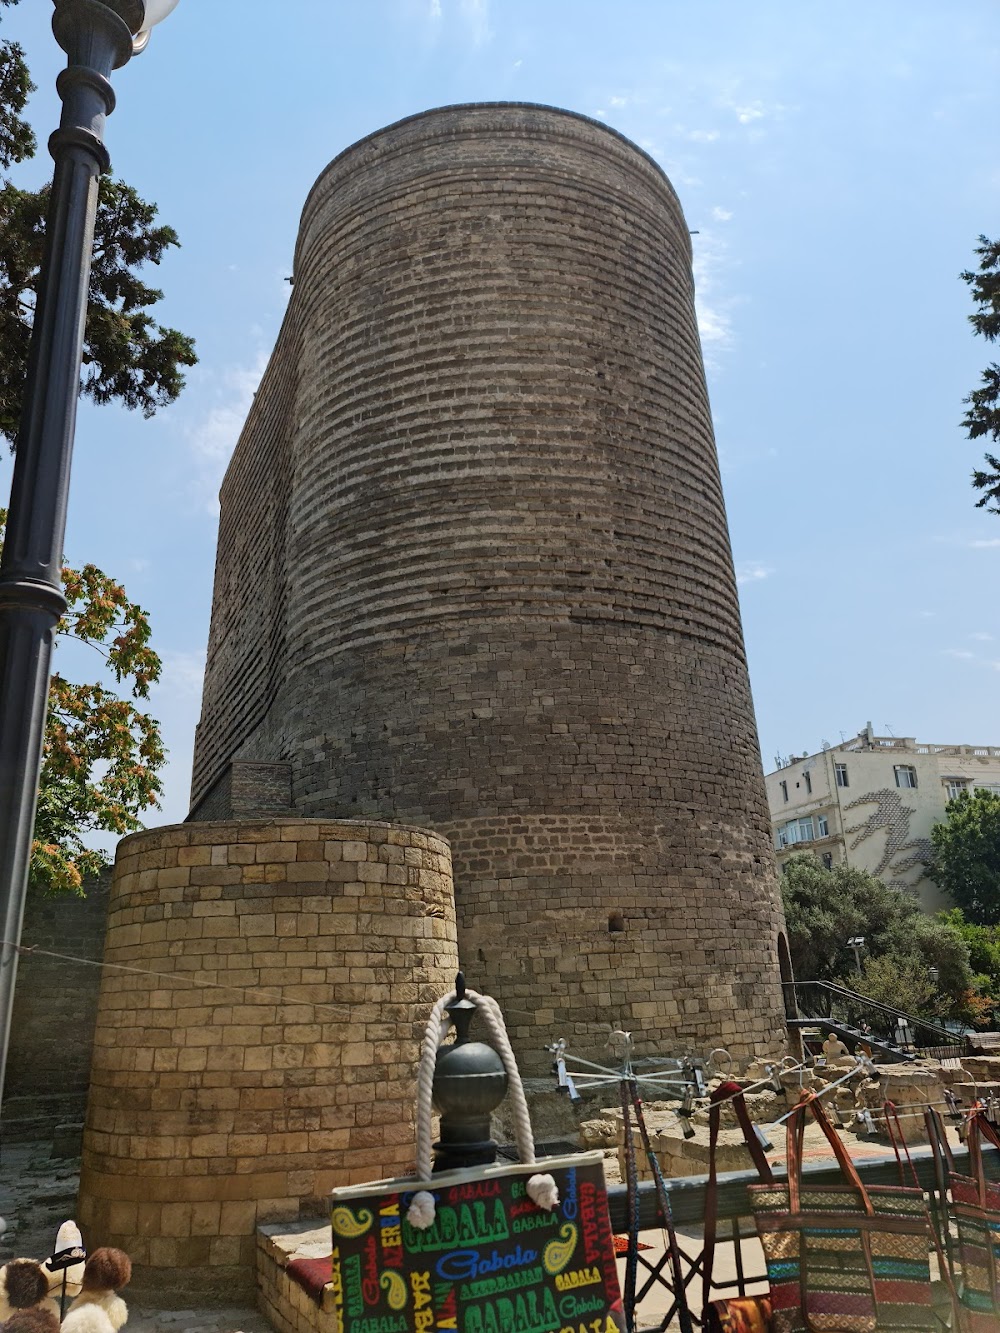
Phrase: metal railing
(826, 1002)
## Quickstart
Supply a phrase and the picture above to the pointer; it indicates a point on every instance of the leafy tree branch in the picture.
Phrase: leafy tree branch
(983, 416)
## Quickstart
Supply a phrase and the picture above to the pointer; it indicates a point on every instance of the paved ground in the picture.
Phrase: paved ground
(37, 1193)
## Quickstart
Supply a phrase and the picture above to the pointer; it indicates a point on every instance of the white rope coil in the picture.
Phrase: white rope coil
(542, 1189)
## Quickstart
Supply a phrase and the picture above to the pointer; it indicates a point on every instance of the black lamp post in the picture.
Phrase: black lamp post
(98, 36)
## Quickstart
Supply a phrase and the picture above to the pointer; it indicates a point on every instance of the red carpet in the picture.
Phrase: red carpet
(312, 1275)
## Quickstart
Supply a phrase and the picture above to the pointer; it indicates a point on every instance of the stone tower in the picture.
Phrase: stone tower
(474, 574)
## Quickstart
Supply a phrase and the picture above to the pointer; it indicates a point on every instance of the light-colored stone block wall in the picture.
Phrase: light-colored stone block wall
(259, 1021)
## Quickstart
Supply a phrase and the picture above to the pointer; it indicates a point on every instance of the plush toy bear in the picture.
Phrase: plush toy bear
(98, 1308)
(24, 1285)
(38, 1320)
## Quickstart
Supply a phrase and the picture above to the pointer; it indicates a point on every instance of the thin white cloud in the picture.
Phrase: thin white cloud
(985, 543)
(713, 310)
(961, 653)
(476, 14)
(213, 439)
(176, 700)
(701, 136)
(749, 112)
(714, 326)
(471, 15)
(617, 101)
(747, 109)
(721, 214)
(752, 571)
(182, 674)
(982, 636)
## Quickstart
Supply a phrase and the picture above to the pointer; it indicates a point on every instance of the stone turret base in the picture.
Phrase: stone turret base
(266, 987)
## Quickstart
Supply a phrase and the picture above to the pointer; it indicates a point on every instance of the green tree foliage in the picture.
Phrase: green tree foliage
(902, 982)
(983, 416)
(984, 957)
(102, 754)
(966, 858)
(127, 356)
(826, 908)
(17, 140)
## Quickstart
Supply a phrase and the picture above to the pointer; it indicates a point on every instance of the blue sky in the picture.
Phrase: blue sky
(838, 163)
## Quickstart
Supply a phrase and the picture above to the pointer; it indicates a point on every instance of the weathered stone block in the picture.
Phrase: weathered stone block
(215, 1105)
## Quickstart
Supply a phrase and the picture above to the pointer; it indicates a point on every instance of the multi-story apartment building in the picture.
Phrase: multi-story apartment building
(872, 802)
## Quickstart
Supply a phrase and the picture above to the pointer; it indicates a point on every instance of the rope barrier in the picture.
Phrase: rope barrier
(343, 1012)
(340, 1011)
(541, 1188)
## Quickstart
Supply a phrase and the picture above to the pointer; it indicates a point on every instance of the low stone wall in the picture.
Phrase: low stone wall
(288, 1307)
(55, 1009)
(259, 1044)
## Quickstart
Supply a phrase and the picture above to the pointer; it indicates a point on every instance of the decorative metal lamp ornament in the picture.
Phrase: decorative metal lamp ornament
(470, 1082)
(156, 12)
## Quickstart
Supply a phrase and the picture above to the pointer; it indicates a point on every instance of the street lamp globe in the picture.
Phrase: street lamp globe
(156, 12)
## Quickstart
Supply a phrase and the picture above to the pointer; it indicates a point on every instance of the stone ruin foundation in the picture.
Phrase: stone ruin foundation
(909, 1086)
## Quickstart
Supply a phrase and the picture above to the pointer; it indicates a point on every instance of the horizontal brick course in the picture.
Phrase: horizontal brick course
(474, 574)
(222, 1095)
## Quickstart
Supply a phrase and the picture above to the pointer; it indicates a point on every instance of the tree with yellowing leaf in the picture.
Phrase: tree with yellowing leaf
(102, 754)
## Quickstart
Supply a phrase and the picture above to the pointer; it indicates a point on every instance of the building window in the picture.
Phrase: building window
(828, 860)
(809, 782)
(906, 775)
(796, 830)
(841, 771)
(988, 786)
(955, 786)
(823, 828)
(784, 790)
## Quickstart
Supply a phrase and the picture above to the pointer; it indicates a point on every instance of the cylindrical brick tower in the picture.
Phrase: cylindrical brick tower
(474, 573)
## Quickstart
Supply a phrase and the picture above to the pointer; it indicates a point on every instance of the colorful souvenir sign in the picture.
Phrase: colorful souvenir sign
(492, 1262)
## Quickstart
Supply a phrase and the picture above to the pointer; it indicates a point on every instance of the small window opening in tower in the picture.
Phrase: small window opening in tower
(616, 923)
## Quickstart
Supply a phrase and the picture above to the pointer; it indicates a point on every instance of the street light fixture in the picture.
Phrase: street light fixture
(857, 943)
(156, 12)
(98, 36)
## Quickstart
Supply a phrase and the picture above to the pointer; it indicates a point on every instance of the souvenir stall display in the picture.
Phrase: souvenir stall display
(482, 1247)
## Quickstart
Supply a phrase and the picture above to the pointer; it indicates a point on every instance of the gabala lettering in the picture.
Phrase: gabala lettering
(530, 1312)
(468, 1224)
(582, 1277)
(464, 1265)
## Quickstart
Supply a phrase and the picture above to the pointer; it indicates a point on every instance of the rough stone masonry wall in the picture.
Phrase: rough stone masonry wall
(55, 1009)
(512, 610)
(246, 643)
(265, 1049)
